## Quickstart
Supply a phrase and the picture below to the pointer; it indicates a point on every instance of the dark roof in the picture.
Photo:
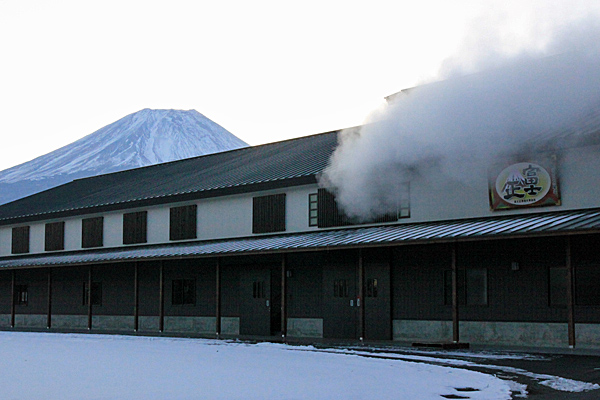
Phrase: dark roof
(285, 163)
(499, 227)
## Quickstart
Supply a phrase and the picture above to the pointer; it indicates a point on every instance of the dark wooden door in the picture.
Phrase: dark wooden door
(378, 324)
(255, 301)
(340, 311)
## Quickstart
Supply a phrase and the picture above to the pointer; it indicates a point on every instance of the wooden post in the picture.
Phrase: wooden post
(283, 297)
(455, 327)
(136, 298)
(570, 295)
(161, 306)
(360, 302)
(89, 298)
(12, 301)
(49, 317)
(218, 298)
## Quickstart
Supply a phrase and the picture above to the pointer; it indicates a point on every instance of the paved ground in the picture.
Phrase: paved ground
(527, 366)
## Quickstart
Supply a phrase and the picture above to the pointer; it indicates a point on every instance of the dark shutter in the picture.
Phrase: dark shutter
(55, 236)
(268, 213)
(92, 232)
(20, 240)
(182, 223)
(135, 227)
(330, 215)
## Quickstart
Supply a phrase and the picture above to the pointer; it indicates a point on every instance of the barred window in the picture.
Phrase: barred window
(182, 222)
(328, 213)
(20, 240)
(92, 232)
(135, 227)
(55, 236)
(268, 213)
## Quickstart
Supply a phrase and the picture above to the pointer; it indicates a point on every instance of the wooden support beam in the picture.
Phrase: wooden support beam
(89, 298)
(283, 297)
(455, 322)
(136, 297)
(49, 316)
(161, 306)
(12, 299)
(360, 301)
(570, 294)
(218, 298)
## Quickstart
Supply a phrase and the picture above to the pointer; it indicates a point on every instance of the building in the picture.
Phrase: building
(245, 243)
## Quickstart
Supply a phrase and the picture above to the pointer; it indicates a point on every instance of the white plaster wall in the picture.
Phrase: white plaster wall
(5, 241)
(225, 217)
(113, 229)
(37, 236)
(158, 225)
(580, 178)
(73, 234)
(441, 199)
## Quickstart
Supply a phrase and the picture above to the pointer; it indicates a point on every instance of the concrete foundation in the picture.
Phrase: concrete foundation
(230, 326)
(422, 331)
(204, 325)
(305, 327)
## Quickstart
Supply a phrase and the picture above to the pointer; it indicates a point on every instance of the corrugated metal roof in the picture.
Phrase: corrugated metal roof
(280, 161)
(550, 223)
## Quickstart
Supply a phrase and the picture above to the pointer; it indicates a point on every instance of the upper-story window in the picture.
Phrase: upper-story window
(268, 213)
(328, 214)
(55, 236)
(182, 223)
(92, 232)
(20, 240)
(135, 227)
(313, 207)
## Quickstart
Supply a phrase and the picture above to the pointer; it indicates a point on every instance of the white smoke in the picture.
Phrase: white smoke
(445, 131)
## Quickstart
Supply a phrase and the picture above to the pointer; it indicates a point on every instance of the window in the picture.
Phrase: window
(329, 214)
(135, 227)
(183, 222)
(21, 295)
(258, 290)
(587, 285)
(96, 293)
(184, 292)
(471, 285)
(20, 240)
(371, 289)
(340, 288)
(268, 213)
(92, 232)
(557, 287)
(55, 236)
(313, 205)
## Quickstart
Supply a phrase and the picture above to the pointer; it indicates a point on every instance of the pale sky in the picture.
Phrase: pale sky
(264, 70)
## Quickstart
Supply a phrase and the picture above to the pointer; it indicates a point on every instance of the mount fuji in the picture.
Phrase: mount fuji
(143, 138)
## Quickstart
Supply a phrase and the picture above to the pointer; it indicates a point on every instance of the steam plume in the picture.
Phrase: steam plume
(447, 130)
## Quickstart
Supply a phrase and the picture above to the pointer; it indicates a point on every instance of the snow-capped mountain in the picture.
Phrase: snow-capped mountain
(139, 139)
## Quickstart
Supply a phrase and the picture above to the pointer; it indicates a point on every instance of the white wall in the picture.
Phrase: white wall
(431, 199)
(218, 218)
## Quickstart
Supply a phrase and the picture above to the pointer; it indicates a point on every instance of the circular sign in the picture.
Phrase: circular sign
(523, 183)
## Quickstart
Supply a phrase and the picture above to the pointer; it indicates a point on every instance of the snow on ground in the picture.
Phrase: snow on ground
(72, 366)
(555, 382)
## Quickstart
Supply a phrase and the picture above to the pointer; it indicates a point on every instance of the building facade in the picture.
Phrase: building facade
(247, 244)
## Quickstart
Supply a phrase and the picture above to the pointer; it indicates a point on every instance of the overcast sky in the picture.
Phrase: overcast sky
(264, 70)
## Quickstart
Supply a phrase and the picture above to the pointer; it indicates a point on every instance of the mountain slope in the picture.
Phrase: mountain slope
(139, 139)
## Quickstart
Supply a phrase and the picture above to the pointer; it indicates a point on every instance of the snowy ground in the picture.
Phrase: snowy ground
(71, 366)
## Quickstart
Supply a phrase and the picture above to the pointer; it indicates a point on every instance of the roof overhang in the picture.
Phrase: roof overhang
(501, 227)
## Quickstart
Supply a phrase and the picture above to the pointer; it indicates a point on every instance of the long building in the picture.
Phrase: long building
(246, 243)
